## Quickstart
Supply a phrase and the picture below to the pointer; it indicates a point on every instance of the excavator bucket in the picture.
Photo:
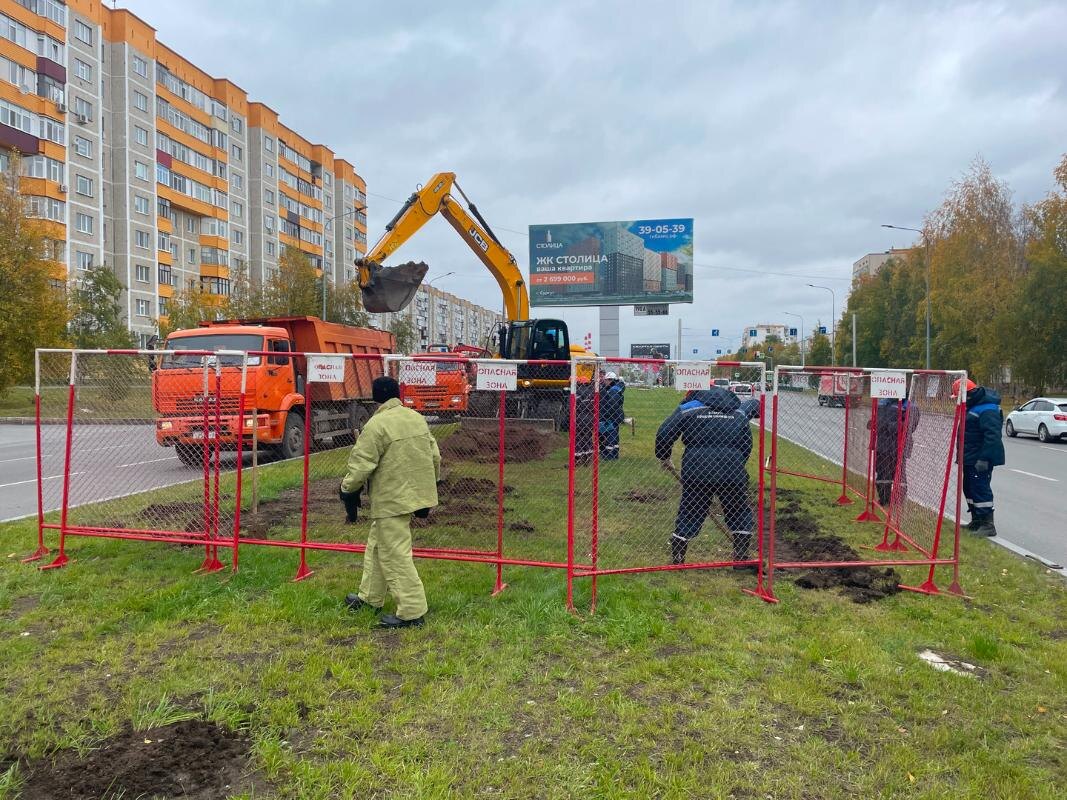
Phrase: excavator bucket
(392, 288)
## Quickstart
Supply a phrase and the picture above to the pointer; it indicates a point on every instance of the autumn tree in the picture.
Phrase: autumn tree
(294, 290)
(821, 354)
(97, 320)
(32, 313)
(402, 328)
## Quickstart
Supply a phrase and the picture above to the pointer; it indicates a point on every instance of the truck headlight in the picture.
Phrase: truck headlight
(456, 398)
(165, 426)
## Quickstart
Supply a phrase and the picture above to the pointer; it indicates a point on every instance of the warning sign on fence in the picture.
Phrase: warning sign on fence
(326, 369)
(497, 377)
(889, 384)
(418, 373)
(692, 376)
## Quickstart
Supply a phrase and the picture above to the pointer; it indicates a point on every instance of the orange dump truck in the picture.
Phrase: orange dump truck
(275, 390)
(447, 396)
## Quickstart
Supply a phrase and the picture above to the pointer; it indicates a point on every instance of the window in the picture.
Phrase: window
(268, 144)
(237, 209)
(46, 208)
(192, 255)
(83, 147)
(142, 239)
(140, 135)
(268, 197)
(82, 32)
(163, 207)
(84, 260)
(237, 181)
(142, 308)
(214, 256)
(82, 70)
(140, 66)
(237, 237)
(83, 223)
(162, 306)
(83, 185)
(140, 204)
(268, 170)
(140, 170)
(42, 167)
(236, 124)
(140, 100)
(143, 273)
(190, 224)
(270, 248)
(268, 222)
(236, 152)
(83, 107)
(163, 241)
(166, 277)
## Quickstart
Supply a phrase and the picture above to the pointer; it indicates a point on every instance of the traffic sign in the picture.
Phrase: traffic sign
(714, 331)
(696, 350)
(822, 329)
(792, 331)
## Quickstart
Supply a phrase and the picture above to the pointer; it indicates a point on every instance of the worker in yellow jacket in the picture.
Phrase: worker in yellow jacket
(397, 463)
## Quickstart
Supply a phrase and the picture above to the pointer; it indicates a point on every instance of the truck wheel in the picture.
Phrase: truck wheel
(822, 401)
(292, 445)
(190, 455)
(357, 418)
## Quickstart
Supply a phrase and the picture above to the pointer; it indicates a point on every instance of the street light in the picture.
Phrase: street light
(798, 316)
(325, 228)
(926, 258)
(833, 322)
(429, 296)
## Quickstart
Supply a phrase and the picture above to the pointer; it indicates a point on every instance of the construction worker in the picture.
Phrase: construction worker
(584, 397)
(891, 415)
(983, 449)
(718, 440)
(612, 415)
(397, 462)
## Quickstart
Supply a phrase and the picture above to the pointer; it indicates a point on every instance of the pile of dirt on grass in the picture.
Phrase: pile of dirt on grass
(798, 538)
(192, 760)
(471, 504)
(483, 446)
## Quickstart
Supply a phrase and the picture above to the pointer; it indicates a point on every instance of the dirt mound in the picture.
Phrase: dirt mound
(482, 446)
(469, 503)
(192, 760)
(800, 539)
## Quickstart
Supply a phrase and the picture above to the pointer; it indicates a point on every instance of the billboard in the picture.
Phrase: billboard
(650, 350)
(634, 262)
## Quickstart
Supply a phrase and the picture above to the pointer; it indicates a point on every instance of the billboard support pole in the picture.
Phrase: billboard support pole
(609, 331)
(679, 350)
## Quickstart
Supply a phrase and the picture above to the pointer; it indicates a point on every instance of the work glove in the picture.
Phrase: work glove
(981, 466)
(422, 513)
(352, 502)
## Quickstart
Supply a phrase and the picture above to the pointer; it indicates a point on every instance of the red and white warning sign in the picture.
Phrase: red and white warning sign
(496, 377)
(889, 384)
(692, 376)
(418, 372)
(326, 369)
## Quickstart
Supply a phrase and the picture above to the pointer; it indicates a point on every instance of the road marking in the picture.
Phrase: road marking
(9, 460)
(1054, 449)
(34, 480)
(153, 461)
(1034, 475)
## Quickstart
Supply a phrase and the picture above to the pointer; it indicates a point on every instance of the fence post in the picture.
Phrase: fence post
(570, 490)
(869, 514)
(61, 557)
(41, 550)
(302, 570)
(844, 499)
(957, 453)
(499, 586)
(765, 576)
(213, 564)
(240, 459)
(898, 544)
(594, 532)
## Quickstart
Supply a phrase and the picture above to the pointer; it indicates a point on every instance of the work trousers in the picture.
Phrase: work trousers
(389, 568)
(696, 501)
(609, 441)
(978, 491)
(885, 473)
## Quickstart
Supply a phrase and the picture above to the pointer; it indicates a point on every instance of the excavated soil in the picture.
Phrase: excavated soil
(192, 760)
(482, 446)
(800, 539)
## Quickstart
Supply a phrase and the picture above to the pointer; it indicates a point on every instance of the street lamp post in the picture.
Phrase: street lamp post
(325, 232)
(833, 322)
(926, 259)
(798, 316)
(429, 297)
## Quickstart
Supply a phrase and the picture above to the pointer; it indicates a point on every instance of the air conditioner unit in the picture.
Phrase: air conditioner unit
(61, 108)
(63, 189)
(82, 119)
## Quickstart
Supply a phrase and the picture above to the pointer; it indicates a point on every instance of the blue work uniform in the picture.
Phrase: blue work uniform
(981, 443)
(612, 415)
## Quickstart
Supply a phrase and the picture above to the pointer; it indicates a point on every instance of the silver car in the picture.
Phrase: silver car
(1044, 417)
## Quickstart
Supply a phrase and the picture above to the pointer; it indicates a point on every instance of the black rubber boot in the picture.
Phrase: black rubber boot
(985, 526)
(678, 548)
(357, 603)
(743, 550)
(393, 621)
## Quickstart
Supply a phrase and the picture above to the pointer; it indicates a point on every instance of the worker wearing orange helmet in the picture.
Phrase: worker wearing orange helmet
(983, 449)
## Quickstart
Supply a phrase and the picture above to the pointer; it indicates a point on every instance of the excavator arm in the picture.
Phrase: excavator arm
(392, 288)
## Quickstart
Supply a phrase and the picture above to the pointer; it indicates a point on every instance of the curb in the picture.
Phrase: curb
(63, 421)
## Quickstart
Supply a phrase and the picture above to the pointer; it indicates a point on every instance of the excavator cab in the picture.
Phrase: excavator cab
(537, 340)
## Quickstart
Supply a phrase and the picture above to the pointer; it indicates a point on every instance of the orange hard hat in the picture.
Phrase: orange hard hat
(956, 386)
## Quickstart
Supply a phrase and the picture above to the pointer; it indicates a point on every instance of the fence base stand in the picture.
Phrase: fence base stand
(896, 546)
(868, 515)
(36, 555)
(763, 594)
(928, 587)
(303, 571)
(844, 500)
(211, 564)
(498, 589)
(957, 590)
(59, 561)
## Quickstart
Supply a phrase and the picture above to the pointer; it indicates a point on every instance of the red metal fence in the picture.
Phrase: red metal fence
(562, 465)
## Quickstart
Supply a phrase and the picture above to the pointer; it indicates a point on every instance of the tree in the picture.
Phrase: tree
(32, 313)
(187, 309)
(246, 300)
(294, 290)
(96, 318)
(344, 305)
(821, 353)
(404, 331)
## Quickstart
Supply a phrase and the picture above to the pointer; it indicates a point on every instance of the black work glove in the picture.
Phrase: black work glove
(981, 466)
(352, 502)
(422, 513)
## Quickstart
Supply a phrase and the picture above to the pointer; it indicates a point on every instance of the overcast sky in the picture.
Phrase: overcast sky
(789, 131)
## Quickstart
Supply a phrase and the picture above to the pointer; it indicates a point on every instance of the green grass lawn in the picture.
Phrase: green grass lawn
(679, 686)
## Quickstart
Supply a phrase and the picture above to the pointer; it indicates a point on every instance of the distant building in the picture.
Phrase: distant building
(442, 318)
(757, 334)
(872, 262)
(653, 278)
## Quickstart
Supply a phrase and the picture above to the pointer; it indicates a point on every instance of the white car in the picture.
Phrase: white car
(1045, 417)
(742, 390)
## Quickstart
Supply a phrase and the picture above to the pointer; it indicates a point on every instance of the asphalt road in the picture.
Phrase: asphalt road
(1030, 513)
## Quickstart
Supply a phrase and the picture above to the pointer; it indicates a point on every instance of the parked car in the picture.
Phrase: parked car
(1044, 417)
(742, 390)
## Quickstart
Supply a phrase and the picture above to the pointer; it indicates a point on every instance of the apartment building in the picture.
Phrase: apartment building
(135, 158)
(757, 334)
(438, 317)
(872, 262)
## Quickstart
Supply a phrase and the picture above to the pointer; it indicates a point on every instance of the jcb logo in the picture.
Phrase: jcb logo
(478, 238)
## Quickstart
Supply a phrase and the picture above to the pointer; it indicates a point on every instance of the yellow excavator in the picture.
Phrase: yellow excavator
(389, 289)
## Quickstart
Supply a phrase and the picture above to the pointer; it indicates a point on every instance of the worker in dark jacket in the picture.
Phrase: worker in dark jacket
(983, 449)
(892, 414)
(612, 415)
(717, 439)
(584, 397)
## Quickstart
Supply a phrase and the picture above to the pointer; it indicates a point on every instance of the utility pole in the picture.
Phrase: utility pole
(798, 316)
(926, 259)
(833, 322)
(853, 339)
(679, 353)
(325, 232)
